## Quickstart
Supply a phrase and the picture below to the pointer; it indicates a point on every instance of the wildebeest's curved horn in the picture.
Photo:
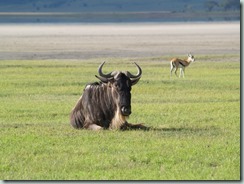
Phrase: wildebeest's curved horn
(102, 74)
(135, 78)
(138, 75)
(103, 77)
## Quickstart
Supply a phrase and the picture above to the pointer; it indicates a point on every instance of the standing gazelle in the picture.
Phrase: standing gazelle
(176, 63)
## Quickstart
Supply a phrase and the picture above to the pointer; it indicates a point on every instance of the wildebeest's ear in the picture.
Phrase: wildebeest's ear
(102, 79)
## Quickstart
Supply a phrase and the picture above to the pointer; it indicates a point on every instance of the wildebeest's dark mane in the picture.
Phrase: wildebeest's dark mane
(94, 84)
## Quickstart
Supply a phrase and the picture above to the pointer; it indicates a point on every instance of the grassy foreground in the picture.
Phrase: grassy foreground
(196, 121)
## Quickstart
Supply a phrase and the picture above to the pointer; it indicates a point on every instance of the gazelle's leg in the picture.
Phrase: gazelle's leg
(171, 69)
(183, 72)
(176, 71)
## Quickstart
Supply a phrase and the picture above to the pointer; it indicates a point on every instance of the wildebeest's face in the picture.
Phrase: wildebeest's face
(121, 83)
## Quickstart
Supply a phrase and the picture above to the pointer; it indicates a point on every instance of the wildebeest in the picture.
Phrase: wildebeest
(106, 104)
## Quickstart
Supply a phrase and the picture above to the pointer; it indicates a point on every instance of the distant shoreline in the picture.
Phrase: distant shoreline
(119, 23)
(116, 17)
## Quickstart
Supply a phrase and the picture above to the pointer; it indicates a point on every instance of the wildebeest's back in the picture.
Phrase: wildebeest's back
(94, 107)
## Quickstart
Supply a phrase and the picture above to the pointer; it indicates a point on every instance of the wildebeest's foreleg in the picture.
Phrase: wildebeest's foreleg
(94, 127)
(129, 126)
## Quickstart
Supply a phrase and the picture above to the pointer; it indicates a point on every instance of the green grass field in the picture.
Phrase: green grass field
(196, 122)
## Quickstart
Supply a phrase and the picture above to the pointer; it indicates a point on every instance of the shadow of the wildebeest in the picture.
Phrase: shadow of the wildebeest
(186, 129)
(172, 129)
(182, 130)
(141, 126)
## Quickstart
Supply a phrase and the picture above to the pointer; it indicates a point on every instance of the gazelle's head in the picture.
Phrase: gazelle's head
(190, 58)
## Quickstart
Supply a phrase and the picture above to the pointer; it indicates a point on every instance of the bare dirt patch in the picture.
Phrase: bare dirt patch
(84, 41)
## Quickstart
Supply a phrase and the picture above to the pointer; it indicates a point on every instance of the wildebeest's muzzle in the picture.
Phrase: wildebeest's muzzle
(125, 110)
